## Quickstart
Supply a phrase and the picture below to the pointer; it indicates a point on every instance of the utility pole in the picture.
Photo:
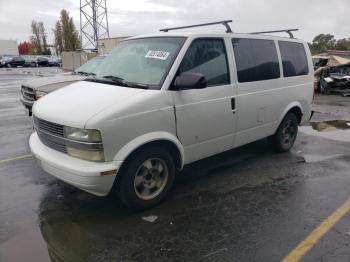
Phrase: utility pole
(93, 23)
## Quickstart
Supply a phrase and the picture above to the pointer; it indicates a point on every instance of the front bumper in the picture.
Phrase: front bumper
(82, 174)
(27, 104)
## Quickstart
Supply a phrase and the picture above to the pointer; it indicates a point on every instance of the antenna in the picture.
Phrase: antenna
(93, 23)
(224, 23)
(288, 31)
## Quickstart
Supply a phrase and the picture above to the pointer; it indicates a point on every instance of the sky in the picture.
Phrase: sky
(132, 17)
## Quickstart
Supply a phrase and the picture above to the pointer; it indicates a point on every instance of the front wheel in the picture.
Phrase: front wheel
(146, 178)
(285, 136)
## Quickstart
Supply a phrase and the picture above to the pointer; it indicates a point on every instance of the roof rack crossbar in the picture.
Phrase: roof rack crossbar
(288, 31)
(224, 23)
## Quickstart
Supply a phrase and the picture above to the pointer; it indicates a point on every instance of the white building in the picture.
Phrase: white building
(8, 47)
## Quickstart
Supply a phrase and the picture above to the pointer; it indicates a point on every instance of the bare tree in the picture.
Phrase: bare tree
(35, 38)
(43, 36)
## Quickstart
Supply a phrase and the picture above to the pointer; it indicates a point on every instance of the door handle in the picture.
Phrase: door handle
(233, 104)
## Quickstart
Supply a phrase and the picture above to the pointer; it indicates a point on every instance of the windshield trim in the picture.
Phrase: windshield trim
(166, 72)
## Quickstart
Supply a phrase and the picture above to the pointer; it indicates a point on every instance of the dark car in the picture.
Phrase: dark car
(30, 61)
(54, 61)
(12, 61)
(42, 61)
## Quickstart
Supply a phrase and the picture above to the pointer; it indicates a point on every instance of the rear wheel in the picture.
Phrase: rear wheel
(146, 178)
(285, 136)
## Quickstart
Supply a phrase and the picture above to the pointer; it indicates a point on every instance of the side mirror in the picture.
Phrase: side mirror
(190, 81)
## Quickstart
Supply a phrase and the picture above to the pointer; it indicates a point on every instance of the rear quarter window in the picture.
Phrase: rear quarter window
(294, 59)
(256, 59)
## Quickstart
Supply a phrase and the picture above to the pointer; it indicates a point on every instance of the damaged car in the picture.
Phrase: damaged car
(335, 79)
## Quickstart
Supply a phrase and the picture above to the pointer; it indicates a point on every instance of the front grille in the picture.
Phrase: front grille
(28, 93)
(52, 144)
(47, 132)
(49, 127)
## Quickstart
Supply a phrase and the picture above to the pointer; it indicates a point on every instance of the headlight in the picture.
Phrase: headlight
(39, 94)
(84, 135)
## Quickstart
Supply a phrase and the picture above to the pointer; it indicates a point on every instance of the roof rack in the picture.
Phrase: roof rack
(288, 31)
(224, 23)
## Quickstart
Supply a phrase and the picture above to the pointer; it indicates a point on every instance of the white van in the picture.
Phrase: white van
(159, 102)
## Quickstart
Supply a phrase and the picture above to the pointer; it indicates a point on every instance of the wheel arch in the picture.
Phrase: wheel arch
(164, 139)
(294, 107)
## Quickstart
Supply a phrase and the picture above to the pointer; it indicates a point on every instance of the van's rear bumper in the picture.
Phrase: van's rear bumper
(82, 174)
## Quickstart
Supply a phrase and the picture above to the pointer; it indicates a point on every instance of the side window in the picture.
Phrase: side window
(256, 59)
(208, 57)
(294, 59)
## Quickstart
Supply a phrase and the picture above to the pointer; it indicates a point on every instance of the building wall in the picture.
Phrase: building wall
(8, 47)
(72, 60)
(105, 45)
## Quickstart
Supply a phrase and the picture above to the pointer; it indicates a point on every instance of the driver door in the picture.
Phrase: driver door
(206, 117)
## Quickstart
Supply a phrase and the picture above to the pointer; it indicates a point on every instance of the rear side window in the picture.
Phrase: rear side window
(207, 56)
(256, 59)
(294, 59)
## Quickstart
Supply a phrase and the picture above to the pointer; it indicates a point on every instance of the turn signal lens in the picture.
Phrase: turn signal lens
(90, 155)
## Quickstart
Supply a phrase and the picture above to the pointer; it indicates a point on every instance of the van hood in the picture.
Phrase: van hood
(75, 104)
(51, 83)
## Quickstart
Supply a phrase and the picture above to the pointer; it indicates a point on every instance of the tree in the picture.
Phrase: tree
(38, 39)
(42, 33)
(35, 38)
(58, 37)
(323, 42)
(24, 48)
(66, 36)
(343, 44)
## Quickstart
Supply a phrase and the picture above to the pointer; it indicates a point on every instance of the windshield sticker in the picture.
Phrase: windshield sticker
(162, 55)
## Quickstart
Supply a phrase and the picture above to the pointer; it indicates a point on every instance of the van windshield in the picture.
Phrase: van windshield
(142, 63)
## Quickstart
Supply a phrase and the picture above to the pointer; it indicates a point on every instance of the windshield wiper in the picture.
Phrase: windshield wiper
(85, 73)
(126, 83)
(116, 80)
(137, 85)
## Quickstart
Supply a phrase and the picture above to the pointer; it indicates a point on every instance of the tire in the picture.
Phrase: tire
(285, 136)
(146, 178)
(9, 65)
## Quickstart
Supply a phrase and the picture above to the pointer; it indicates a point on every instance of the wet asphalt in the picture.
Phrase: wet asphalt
(248, 204)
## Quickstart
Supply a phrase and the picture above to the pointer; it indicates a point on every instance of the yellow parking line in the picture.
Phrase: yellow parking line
(15, 158)
(317, 234)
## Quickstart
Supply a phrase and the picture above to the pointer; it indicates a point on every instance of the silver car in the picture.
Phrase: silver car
(34, 89)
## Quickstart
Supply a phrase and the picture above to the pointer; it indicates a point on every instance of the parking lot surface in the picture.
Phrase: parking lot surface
(248, 204)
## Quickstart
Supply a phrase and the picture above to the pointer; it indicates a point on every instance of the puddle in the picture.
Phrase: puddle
(338, 130)
(328, 126)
